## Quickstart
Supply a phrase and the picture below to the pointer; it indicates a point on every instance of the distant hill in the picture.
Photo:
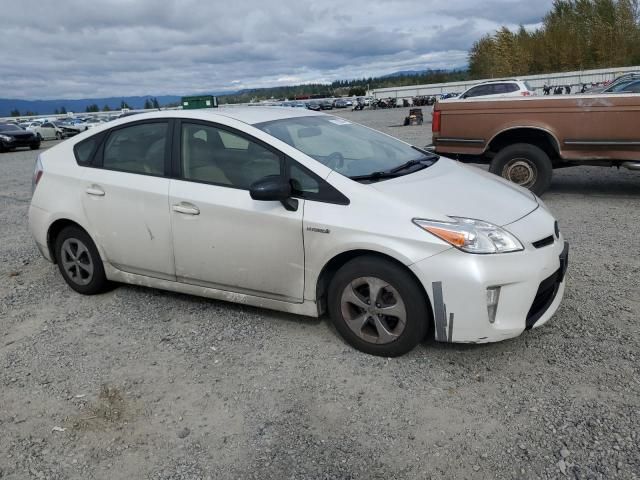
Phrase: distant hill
(46, 107)
(405, 73)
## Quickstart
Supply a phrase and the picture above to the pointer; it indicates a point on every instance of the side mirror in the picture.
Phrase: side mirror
(274, 188)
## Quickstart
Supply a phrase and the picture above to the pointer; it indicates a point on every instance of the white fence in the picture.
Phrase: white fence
(574, 79)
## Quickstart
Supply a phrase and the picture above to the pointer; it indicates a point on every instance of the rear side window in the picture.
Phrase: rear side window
(84, 150)
(137, 149)
(501, 88)
(480, 91)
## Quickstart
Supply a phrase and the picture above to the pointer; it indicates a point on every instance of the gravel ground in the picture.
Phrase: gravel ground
(140, 383)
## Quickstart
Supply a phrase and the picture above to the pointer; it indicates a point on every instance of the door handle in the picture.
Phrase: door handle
(186, 208)
(95, 190)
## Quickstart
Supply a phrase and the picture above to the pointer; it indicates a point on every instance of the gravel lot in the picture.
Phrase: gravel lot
(140, 383)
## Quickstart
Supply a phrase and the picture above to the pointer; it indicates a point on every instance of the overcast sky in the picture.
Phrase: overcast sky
(100, 48)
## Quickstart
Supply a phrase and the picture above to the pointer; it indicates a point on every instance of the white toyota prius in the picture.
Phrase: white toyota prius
(301, 212)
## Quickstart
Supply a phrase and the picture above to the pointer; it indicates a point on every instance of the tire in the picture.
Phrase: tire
(524, 164)
(79, 261)
(399, 293)
(35, 146)
(58, 136)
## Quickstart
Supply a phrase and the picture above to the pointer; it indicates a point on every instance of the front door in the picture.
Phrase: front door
(48, 130)
(222, 237)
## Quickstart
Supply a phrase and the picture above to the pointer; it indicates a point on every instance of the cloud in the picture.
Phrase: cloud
(80, 48)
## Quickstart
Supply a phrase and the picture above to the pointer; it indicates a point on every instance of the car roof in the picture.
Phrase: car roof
(499, 81)
(249, 115)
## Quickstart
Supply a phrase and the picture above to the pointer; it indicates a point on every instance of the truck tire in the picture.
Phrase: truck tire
(525, 165)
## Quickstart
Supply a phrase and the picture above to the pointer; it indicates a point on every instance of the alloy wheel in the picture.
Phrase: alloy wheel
(374, 310)
(76, 261)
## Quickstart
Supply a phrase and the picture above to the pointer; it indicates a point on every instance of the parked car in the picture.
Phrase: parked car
(12, 137)
(65, 130)
(614, 86)
(524, 139)
(93, 122)
(315, 106)
(45, 131)
(498, 89)
(340, 103)
(76, 124)
(630, 85)
(305, 213)
(326, 105)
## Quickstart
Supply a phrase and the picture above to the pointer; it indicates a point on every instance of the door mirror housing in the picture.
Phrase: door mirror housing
(274, 188)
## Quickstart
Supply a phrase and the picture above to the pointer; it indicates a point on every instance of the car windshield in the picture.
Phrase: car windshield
(621, 86)
(8, 128)
(348, 148)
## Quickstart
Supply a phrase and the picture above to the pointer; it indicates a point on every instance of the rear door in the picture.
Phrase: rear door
(48, 130)
(222, 237)
(126, 198)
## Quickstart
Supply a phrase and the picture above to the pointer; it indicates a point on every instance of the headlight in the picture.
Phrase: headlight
(472, 236)
(6, 138)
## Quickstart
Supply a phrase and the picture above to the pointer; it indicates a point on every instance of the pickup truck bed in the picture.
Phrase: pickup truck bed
(524, 139)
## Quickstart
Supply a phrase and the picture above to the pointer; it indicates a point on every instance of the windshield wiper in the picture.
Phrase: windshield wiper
(374, 176)
(394, 172)
(409, 164)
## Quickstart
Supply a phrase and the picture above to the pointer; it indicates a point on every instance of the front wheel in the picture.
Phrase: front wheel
(79, 261)
(35, 146)
(525, 165)
(378, 307)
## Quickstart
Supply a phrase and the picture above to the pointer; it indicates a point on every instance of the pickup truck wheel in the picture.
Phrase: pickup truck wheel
(525, 165)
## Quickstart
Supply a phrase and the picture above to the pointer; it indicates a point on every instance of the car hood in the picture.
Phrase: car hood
(17, 133)
(449, 188)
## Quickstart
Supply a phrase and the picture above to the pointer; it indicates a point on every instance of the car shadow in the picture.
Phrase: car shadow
(627, 185)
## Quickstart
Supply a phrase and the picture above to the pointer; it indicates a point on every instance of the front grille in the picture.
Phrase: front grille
(544, 242)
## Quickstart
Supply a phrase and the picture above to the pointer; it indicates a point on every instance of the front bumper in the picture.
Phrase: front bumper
(20, 142)
(531, 285)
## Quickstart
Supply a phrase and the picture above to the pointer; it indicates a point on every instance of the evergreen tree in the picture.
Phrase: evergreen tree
(575, 35)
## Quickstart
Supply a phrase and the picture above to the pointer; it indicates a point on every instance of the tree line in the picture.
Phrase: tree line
(574, 35)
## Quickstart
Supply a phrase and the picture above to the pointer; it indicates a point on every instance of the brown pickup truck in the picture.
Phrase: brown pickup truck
(524, 139)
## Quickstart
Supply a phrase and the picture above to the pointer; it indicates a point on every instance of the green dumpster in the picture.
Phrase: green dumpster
(202, 101)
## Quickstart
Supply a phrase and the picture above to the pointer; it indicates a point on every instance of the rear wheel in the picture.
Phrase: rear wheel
(525, 165)
(79, 261)
(378, 307)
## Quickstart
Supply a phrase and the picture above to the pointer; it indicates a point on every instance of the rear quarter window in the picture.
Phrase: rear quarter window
(85, 150)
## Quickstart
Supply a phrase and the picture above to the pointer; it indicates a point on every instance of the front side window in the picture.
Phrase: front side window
(137, 149)
(213, 155)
